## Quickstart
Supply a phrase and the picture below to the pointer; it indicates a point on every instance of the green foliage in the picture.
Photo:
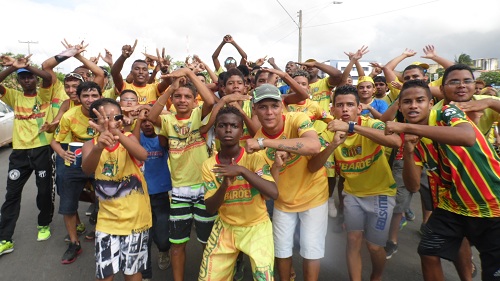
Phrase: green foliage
(491, 77)
(463, 58)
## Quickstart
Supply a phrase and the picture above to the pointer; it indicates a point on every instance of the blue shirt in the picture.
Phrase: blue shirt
(156, 169)
(284, 89)
(379, 105)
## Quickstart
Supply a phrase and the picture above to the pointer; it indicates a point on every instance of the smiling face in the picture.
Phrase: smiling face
(70, 86)
(87, 97)
(346, 108)
(269, 112)
(458, 87)
(183, 101)
(139, 73)
(415, 104)
(291, 68)
(365, 91)
(229, 129)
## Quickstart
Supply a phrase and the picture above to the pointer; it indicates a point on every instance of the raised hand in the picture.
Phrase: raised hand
(108, 58)
(396, 85)
(162, 61)
(376, 65)
(128, 50)
(95, 60)
(261, 61)
(71, 50)
(271, 61)
(228, 39)
(280, 73)
(430, 52)
(7, 61)
(409, 53)
(22, 62)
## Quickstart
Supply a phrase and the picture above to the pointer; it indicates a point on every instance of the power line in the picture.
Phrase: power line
(29, 43)
(288, 13)
(378, 14)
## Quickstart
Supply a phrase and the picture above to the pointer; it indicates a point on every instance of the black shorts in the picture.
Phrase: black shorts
(445, 231)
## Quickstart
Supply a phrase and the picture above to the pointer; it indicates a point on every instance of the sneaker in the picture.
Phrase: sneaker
(163, 260)
(390, 249)
(239, 270)
(43, 233)
(80, 229)
(332, 210)
(71, 253)
(403, 223)
(90, 209)
(410, 216)
(6, 247)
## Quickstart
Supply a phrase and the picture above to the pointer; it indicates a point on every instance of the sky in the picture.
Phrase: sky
(260, 27)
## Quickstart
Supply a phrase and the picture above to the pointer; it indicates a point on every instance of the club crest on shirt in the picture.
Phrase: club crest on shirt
(110, 168)
(90, 131)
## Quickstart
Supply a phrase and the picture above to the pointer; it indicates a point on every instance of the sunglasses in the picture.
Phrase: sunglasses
(73, 75)
(230, 61)
(116, 117)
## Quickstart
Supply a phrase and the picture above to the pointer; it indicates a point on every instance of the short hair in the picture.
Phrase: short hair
(229, 110)
(81, 66)
(191, 87)
(380, 79)
(139, 61)
(416, 84)
(414, 66)
(346, 90)
(200, 74)
(101, 102)
(480, 81)
(128, 91)
(222, 76)
(88, 85)
(233, 72)
(244, 70)
(302, 73)
(454, 67)
(259, 72)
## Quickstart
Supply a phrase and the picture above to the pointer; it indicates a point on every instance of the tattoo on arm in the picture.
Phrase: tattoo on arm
(297, 146)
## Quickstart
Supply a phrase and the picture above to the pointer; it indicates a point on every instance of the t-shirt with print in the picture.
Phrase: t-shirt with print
(243, 204)
(363, 163)
(321, 92)
(299, 189)
(469, 176)
(156, 169)
(187, 148)
(124, 206)
(30, 113)
(318, 115)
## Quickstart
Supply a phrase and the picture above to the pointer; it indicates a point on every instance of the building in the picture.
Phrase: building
(486, 64)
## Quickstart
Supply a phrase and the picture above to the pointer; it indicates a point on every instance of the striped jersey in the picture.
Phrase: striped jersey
(464, 180)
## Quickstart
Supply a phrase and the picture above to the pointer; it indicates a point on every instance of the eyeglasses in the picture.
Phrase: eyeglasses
(73, 75)
(116, 117)
(456, 82)
(128, 99)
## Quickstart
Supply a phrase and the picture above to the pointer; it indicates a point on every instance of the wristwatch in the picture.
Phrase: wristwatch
(351, 127)
(260, 141)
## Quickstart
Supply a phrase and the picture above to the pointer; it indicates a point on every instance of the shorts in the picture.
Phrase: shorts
(370, 214)
(126, 253)
(425, 192)
(74, 182)
(444, 232)
(403, 196)
(313, 227)
(225, 243)
(188, 202)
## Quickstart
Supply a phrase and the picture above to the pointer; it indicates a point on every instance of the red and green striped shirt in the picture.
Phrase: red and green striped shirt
(464, 180)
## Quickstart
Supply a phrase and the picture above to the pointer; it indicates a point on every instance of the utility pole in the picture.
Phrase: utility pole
(300, 36)
(29, 43)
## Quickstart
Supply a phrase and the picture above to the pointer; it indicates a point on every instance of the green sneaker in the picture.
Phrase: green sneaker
(6, 247)
(43, 233)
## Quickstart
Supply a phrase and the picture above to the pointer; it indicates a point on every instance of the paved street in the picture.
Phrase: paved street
(34, 260)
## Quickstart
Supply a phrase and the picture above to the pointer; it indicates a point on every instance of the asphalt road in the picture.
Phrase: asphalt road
(32, 260)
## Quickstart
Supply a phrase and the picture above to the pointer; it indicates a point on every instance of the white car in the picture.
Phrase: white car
(6, 124)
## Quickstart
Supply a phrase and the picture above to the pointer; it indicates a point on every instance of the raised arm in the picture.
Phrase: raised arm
(49, 64)
(297, 93)
(353, 60)
(389, 67)
(96, 70)
(273, 64)
(335, 76)
(127, 51)
(307, 144)
(430, 53)
(215, 55)
(225, 100)
(242, 53)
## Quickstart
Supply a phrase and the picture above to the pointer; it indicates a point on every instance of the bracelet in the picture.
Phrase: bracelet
(60, 58)
(162, 104)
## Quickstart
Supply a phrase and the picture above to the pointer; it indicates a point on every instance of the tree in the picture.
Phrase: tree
(491, 77)
(463, 58)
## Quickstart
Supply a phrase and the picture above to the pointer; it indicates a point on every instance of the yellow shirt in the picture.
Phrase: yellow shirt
(124, 206)
(110, 93)
(187, 148)
(30, 113)
(321, 92)
(315, 113)
(325, 139)
(243, 204)
(146, 94)
(74, 126)
(299, 189)
(58, 97)
(363, 164)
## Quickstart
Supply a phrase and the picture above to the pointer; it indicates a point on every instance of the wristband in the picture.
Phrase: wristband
(60, 58)
(260, 141)
(351, 127)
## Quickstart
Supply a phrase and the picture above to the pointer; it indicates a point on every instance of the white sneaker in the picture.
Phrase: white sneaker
(332, 210)
(163, 260)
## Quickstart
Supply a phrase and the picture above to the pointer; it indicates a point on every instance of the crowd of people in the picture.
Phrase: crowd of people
(252, 155)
